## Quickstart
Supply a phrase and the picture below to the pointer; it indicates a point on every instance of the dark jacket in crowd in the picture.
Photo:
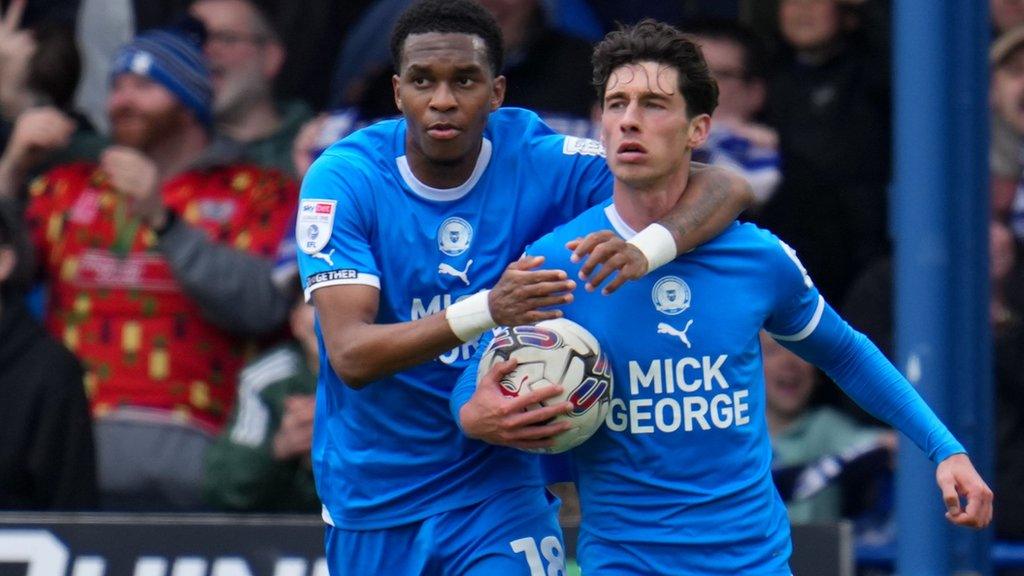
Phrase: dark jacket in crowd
(550, 54)
(47, 459)
(1008, 341)
(833, 119)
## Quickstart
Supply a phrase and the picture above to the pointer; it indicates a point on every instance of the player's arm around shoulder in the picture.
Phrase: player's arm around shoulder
(714, 198)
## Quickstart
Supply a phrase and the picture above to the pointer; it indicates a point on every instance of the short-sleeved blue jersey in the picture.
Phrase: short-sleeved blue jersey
(390, 453)
(685, 456)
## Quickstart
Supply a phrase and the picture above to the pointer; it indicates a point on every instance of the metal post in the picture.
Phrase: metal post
(940, 215)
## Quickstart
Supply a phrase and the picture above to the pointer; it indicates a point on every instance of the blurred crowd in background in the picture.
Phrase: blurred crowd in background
(155, 350)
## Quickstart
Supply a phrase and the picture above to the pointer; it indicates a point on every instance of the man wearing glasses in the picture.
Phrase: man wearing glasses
(245, 56)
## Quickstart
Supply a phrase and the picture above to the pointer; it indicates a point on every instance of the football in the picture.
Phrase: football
(561, 352)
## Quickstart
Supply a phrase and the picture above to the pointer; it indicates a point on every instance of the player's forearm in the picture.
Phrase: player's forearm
(864, 374)
(363, 353)
(714, 198)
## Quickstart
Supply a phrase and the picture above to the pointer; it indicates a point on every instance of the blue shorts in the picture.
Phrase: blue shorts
(514, 533)
(600, 557)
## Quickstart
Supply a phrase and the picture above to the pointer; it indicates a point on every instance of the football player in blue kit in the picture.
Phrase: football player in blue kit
(402, 228)
(678, 481)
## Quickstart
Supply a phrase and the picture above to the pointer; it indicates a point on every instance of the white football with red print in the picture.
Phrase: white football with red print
(562, 352)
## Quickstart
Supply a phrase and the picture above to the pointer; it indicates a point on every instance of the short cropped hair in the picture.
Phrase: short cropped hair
(652, 41)
(449, 17)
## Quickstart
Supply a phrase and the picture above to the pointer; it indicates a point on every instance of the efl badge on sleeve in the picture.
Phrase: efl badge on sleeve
(315, 224)
(582, 146)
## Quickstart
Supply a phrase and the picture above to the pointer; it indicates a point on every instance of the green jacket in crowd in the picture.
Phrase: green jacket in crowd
(241, 472)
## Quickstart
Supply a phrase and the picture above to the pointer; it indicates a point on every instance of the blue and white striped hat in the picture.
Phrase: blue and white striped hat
(174, 60)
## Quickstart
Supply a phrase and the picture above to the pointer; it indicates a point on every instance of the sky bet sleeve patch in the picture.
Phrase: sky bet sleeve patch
(582, 146)
(315, 224)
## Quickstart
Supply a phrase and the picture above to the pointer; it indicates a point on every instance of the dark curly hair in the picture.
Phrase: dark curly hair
(652, 41)
(449, 16)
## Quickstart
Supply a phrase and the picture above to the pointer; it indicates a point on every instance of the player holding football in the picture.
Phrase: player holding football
(402, 227)
(678, 481)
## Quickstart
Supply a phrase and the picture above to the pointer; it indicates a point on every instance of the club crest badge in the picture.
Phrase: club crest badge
(314, 225)
(671, 295)
(454, 236)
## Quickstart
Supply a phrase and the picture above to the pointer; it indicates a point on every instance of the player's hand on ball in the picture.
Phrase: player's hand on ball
(613, 254)
(958, 480)
(495, 418)
(523, 290)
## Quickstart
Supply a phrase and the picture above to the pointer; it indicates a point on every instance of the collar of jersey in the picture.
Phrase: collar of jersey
(446, 194)
(618, 223)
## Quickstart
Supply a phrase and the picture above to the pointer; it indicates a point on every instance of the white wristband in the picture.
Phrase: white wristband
(470, 317)
(657, 245)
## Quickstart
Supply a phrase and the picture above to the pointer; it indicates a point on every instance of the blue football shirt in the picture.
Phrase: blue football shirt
(390, 453)
(678, 480)
(685, 455)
